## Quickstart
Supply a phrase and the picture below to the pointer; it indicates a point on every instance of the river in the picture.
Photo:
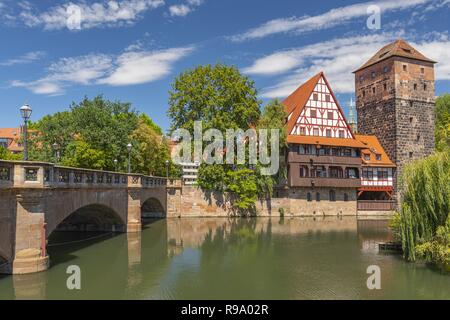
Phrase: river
(217, 258)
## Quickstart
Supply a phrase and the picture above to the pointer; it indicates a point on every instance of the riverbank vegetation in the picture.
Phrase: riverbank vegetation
(95, 132)
(222, 98)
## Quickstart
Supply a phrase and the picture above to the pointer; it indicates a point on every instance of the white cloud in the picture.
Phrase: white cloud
(338, 58)
(98, 14)
(26, 58)
(179, 10)
(141, 67)
(182, 10)
(128, 68)
(326, 20)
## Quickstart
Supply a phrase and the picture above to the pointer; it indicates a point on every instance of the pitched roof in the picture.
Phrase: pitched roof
(372, 148)
(10, 133)
(398, 48)
(324, 141)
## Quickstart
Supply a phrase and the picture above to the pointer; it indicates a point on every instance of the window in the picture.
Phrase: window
(309, 196)
(424, 87)
(352, 173)
(313, 113)
(341, 133)
(302, 131)
(330, 115)
(366, 157)
(315, 96)
(317, 196)
(411, 119)
(415, 86)
(316, 131)
(304, 172)
(347, 152)
(345, 197)
(327, 98)
(321, 172)
(385, 69)
(405, 67)
(422, 70)
(332, 195)
(361, 78)
(418, 137)
(364, 93)
(378, 157)
(335, 152)
(410, 155)
(329, 133)
(336, 173)
(305, 149)
(385, 87)
(382, 174)
(373, 90)
(373, 75)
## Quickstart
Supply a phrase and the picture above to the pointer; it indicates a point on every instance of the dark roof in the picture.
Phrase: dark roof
(398, 48)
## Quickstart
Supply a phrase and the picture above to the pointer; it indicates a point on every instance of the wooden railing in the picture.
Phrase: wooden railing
(21, 174)
(376, 205)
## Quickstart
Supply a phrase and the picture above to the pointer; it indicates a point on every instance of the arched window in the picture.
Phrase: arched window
(317, 196)
(332, 195)
(309, 196)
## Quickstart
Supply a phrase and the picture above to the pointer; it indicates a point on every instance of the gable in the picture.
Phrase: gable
(321, 115)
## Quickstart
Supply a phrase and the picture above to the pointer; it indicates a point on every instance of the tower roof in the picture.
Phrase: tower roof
(398, 48)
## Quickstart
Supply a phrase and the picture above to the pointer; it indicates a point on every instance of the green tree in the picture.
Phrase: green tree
(442, 131)
(220, 96)
(425, 201)
(242, 184)
(3, 153)
(80, 154)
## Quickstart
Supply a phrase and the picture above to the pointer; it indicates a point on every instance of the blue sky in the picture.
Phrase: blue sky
(131, 50)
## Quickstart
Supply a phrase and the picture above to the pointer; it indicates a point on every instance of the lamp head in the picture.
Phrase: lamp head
(26, 111)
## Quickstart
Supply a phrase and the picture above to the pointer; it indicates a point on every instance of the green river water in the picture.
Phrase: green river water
(214, 258)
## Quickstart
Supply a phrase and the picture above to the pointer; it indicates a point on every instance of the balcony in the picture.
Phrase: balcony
(326, 182)
(307, 158)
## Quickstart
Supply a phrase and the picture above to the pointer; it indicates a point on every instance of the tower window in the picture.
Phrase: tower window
(415, 86)
(410, 155)
(424, 87)
(422, 70)
(361, 78)
(373, 75)
(364, 93)
(418, 137)
(405, 67)
(386, 69)
(373, 90)
(385, 87)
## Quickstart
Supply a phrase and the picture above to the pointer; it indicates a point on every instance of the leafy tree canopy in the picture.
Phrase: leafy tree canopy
(442, 131)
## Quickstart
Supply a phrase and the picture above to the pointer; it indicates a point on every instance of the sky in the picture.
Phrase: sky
(55, 53)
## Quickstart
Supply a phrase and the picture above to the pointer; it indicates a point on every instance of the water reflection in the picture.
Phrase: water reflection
(219, 258)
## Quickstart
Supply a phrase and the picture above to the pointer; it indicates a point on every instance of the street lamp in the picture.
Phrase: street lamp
(167, 169)
(25, 112)
(55, 147)
(129, 147)
(115, 164)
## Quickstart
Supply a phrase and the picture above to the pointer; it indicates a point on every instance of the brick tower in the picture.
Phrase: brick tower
(395, 101)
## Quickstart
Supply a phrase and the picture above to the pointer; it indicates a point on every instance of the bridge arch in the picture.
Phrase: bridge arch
(152, 208)
(93, 217)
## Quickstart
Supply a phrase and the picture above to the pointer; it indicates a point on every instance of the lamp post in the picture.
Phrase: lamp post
(25, 112)
(115, 164)
(55, 147)
(129, 147)
(167, 169)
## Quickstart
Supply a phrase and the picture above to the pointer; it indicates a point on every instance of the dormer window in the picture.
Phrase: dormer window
(378, 157)
(366, 156)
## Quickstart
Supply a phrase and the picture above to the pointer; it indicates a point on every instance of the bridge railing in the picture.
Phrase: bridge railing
(21, 174)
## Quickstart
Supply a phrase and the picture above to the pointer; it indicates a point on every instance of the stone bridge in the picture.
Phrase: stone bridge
(39, 198)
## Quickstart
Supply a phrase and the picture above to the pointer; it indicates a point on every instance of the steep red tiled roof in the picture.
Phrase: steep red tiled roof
(12, 135)
(372, 147)
(398, 48)
(324, 141)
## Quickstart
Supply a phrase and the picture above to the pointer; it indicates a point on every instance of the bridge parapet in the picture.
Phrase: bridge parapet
(27, 174)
